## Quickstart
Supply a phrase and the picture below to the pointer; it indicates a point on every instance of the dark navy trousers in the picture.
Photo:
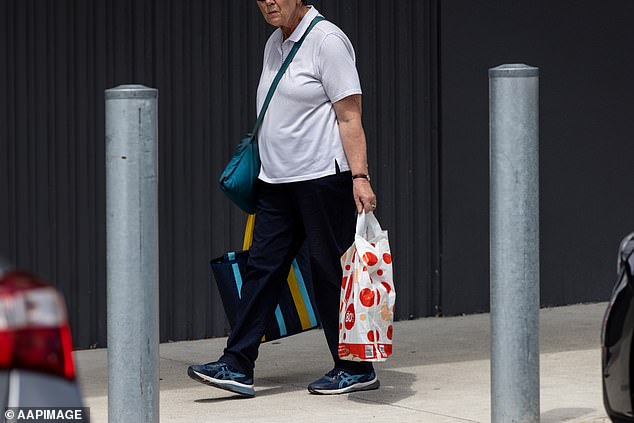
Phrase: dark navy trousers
(322, 212)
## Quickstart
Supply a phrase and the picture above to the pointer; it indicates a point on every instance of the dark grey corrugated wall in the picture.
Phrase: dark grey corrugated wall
(586, 127)
(57, 58)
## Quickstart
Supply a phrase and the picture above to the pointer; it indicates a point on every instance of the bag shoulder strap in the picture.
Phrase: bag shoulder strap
(280, 73)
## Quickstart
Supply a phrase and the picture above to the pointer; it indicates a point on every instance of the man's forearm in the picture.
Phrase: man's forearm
(354, 145)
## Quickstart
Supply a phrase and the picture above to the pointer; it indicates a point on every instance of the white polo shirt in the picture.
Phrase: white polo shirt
(299, 137)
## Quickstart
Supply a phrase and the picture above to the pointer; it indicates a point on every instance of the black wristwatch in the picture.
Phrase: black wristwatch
(361, 176)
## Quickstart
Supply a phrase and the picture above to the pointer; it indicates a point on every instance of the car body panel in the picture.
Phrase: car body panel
(36, 366)
(35, 389)
(616, 340)
(4, 388)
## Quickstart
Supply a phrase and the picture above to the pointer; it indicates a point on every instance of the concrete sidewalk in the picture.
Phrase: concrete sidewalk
(439, 373)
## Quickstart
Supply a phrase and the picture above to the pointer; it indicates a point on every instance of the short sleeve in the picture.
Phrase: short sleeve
(336, 67)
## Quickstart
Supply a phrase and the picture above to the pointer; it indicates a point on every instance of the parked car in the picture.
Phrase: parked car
(36, 361)
(616, 339)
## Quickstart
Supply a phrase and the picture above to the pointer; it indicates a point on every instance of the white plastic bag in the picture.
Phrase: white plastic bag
(366, 310)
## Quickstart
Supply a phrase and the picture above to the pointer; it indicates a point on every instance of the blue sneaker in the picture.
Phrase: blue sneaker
(223, 376)
(339, 381)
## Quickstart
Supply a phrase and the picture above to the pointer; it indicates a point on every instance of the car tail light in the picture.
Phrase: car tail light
(34, 331)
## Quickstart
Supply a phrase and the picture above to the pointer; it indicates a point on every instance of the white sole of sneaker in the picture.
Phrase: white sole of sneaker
(364, 386)
(229, 385)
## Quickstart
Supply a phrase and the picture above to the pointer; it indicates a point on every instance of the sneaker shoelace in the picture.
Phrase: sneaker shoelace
(225, 372)
(335, 373)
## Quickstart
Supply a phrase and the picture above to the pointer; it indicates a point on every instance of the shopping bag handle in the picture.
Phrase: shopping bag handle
(248, 232)
(368, 227)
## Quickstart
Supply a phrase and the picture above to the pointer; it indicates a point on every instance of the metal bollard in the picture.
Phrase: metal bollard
(132, 253)
(514, 248)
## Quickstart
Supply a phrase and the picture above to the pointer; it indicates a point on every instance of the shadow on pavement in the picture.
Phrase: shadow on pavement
(259, 392)
(229, 397)
(395, 387)
(557, 415)
(263, 387)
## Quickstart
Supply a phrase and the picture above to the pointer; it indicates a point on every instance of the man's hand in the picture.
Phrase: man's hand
(363, 195)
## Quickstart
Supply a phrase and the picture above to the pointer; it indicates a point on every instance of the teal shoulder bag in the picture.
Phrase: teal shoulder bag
(239, 177)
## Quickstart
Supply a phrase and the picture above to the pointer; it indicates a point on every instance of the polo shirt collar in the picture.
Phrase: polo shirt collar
(303, 24)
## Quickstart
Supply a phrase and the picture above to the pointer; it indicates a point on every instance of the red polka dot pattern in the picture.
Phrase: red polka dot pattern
(367, 297)
(370, 259)
(387, 258)
(373, 335)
